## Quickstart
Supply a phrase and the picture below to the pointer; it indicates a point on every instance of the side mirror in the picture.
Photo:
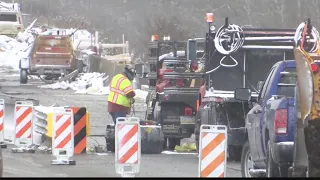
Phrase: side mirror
(260, 85)
(242, 94)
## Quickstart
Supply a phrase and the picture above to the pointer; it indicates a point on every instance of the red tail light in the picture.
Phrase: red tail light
(18, 28)
(194, 66)
(314, 67)
(281, 121)
(188, 111)
(67, 61)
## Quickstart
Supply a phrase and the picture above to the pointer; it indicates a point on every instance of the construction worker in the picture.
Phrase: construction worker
(121, 93)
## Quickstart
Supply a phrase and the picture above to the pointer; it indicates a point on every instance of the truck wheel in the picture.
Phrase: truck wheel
(110, 147)
(23, 76)
(173, 142)
(272, 167)
(246, 161)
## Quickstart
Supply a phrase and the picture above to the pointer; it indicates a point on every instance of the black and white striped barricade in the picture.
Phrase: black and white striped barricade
(213, 151)
(127, 146)
(23, 127)
(2, 111)
(62, 136)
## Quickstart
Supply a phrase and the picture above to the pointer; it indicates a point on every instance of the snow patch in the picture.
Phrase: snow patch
(86, 83)
(140, 94)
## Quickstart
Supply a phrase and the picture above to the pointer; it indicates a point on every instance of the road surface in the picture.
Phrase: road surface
(89, 165)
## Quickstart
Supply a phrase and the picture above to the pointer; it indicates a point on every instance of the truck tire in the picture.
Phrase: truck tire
(272, 167)
(23, 76)
(173, 142)
(245, 159)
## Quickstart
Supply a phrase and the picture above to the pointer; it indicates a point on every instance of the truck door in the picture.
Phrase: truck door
(264, 96)
(255, 115)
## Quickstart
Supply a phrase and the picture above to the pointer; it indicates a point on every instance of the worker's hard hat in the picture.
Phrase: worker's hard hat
(130, 68)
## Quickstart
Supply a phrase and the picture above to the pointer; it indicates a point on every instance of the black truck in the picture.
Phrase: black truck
(257, 52)
(174, 83)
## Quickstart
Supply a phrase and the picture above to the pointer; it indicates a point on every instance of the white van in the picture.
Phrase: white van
(10, 19)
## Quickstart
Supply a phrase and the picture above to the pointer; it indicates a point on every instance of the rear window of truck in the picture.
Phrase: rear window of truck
(285, 87)
(53, 44)
(8, 17)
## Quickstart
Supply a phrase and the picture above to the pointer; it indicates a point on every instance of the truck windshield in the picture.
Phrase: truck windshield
(284, 87)
(8, 17)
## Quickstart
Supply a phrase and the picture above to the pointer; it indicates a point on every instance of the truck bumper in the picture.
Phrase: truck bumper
(49, 70)
(180, 131)
(282, 152)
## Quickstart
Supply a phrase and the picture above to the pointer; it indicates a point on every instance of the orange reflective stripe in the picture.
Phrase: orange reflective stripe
(119, 82)
(127, 89)
(117, 91)
(115, 97)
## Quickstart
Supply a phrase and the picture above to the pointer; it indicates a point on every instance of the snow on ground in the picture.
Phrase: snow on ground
(90, 83)
(83, 82)
(141, 94)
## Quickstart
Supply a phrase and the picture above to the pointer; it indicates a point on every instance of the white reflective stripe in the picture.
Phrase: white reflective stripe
(117, 91)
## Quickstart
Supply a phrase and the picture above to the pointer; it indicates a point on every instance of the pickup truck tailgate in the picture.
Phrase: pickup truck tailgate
(282, 103)
(53, 50)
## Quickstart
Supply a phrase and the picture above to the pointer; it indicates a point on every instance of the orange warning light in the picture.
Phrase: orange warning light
(209, 17)
(154, 38)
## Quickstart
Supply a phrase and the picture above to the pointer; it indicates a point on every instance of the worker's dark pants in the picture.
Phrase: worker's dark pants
(115, 115)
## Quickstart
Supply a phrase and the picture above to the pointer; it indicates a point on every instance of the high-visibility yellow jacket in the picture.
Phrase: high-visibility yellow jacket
(120, 86)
